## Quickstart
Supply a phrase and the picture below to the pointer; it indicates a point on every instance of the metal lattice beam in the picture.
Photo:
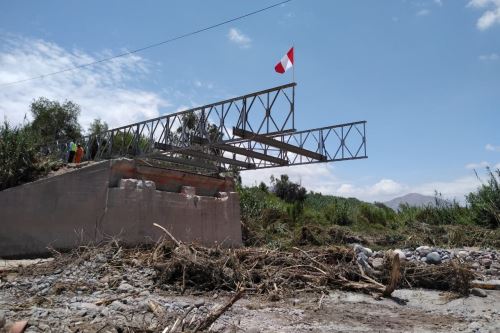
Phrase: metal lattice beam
(252, 131)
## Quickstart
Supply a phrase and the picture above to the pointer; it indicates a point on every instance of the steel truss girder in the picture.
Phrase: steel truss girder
(263, 112)
(257, 129)
(332, 143)
(336, 143)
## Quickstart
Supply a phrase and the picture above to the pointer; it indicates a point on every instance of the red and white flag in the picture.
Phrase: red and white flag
(285, 63)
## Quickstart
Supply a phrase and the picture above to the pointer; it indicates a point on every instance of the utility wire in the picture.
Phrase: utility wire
(146, 47)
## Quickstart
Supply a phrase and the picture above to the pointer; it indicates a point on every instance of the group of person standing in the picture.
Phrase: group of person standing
(75, 152)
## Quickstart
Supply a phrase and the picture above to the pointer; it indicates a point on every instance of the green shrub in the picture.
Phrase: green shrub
(252, 202)
(339, 213)
(20, 160)
(372, 214)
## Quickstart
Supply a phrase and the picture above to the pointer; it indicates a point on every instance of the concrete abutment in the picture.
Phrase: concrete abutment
(120, 199)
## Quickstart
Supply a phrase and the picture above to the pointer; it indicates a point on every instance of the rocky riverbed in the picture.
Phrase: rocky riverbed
(485, 262)
(104, 293)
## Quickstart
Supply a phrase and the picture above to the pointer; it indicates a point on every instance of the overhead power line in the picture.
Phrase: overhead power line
(146, 47)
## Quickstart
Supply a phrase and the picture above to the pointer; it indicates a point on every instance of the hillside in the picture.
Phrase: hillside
(412, 199)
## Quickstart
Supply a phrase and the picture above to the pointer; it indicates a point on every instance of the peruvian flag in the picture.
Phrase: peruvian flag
(285, 63)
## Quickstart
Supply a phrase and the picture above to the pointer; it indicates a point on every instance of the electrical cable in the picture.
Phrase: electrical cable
(146, 47)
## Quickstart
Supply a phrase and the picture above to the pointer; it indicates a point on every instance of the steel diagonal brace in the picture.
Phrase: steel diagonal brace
(278, 144)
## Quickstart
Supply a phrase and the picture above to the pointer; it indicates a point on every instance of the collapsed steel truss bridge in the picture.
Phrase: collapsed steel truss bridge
(253, 131)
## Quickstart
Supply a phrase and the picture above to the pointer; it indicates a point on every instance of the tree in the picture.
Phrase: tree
(55, 121)
(97, 126)
(19, 157)
(287, 190)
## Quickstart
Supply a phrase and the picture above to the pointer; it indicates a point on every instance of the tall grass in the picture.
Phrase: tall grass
(485, 202)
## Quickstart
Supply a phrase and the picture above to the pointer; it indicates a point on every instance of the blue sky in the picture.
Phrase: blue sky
(424, 74)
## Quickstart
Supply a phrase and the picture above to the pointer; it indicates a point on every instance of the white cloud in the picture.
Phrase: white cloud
(423, 12)
(496, 166)
(383, 190)
(491, 147)
(489, 57)
(480, 165)
(438, 2)
(239, 38)
(489, 17)
(455, 189)
(315, 177)
(100, 90)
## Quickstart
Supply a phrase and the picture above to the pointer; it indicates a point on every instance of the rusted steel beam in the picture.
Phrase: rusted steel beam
(251, 153)
(278, 144)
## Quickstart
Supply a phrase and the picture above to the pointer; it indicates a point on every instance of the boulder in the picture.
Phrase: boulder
(423, 250)
(478, 292)
(378, 263)
(361, 249)
(400, 253)
(433, 258)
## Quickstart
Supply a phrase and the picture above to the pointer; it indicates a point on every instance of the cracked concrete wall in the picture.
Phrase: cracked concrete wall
(79, 207)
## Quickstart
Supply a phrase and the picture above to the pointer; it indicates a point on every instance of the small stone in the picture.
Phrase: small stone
(181, 305)
(378, 263)
(2, 319)
(117, 306)
(199, 303)
(433, 258)
(144, 293)
(486, 263)
(478, 292)
(252, 330)
(474, 326)
(86, 306)
(125, 287)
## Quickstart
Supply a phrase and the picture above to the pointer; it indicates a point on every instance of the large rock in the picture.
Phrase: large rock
(478, 292)
(433, 258)
(378, 263)
(400, 253)
(361, 249)
(423, 250)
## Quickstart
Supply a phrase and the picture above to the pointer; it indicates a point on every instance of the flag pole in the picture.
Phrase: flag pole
(293, 66)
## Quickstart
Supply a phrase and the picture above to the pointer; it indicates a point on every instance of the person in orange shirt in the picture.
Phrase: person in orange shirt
(79, 154)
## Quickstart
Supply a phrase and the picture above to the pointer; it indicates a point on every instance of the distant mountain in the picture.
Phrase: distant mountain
(412, 199)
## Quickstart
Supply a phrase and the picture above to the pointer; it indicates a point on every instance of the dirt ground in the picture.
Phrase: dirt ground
(425, 311)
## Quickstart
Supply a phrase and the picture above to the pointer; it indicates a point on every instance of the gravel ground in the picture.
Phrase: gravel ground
(106, 294)
(425, 311)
